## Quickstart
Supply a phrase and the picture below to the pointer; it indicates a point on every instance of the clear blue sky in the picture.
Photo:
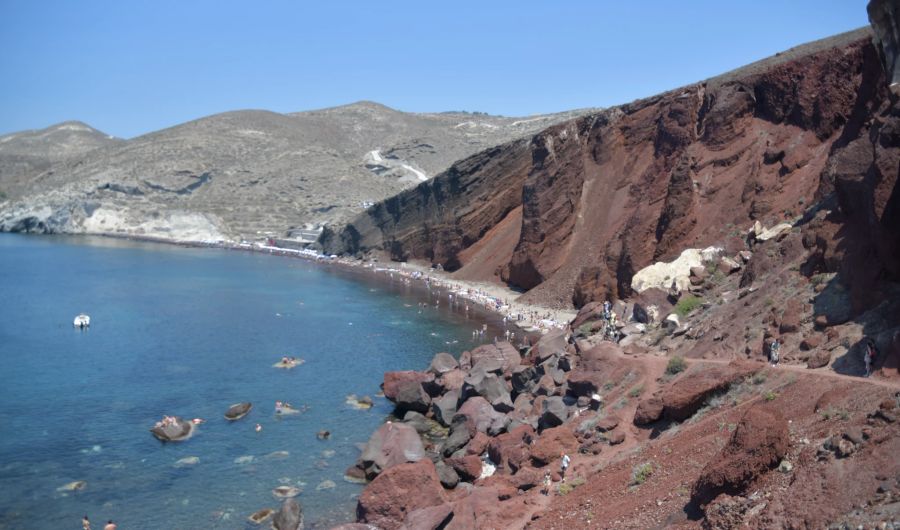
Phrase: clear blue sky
(129, 68)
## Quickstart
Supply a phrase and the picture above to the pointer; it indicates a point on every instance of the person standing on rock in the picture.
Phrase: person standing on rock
(563, 466)
(869, 356)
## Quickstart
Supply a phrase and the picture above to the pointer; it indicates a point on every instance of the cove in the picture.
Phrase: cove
(189, 332)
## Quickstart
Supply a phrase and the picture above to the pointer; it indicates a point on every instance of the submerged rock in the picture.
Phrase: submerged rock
(187, 461)
(77, 485)
(260, 516)
(238, 411)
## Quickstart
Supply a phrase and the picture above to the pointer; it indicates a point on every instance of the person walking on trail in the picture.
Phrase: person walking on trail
(774, 353)
(546, 490)
(563, 466)
(869, 356)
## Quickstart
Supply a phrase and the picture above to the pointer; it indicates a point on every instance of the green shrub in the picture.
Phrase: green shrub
(641, 473)
(759, 378)
(676, 365)
(770, 395)
(687, 304)
(636, 391)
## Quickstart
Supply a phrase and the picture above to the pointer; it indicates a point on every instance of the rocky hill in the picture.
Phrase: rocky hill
(574, 212)
(237, 174)
(26, 154)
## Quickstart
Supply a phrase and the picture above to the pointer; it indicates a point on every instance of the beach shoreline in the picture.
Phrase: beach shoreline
(495, 298)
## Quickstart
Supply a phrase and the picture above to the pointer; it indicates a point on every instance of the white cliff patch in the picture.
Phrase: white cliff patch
(661, 274)
(422, 176)
(174, 226)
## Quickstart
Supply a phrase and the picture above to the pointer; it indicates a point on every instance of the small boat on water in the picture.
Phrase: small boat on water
(82, 321)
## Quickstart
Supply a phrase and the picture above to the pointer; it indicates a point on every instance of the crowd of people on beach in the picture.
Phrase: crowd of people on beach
(461, 295)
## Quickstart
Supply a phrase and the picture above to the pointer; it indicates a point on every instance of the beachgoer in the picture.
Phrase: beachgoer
(258, 428)
(563, 466)
(110, 525)
(546, 490)
(85, 523)
(869, 356)
(198, 421)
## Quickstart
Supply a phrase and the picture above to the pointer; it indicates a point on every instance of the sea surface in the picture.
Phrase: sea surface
(189, 332)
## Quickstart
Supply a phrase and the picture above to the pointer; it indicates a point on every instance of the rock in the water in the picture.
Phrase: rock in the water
(289, 517)
(238, 411)
(175, 431)
(187, 461)
(77, 485)
(398, 491)
(326, 485)
(260, 516)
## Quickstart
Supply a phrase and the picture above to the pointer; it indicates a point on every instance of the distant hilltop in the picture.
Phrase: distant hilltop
(238, 175)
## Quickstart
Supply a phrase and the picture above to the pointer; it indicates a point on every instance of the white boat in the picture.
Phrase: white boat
(82, 321)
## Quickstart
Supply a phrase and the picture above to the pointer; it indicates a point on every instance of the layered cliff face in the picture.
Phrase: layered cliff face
(607, 194)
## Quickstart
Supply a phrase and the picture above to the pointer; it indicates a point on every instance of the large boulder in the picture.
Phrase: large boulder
(554, 342)
(390, 445)
(649, 410)
(393, 495)
(523, 378)
(589, 313)
(481, 416)
(442, 363)
(489, 386)
(552, 444)
(452, 380)
(394, 381)
(444, 407)
(661, 274)
(459, 436)
(503, 352)
(289, 517)
(467, 467)
(554, 412)
(511, 449)
(758, 444)
(430, 518)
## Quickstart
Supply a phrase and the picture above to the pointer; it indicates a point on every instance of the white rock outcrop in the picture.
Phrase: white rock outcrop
(661, 274)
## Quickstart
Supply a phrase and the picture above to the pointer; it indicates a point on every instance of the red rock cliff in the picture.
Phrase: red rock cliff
(573, 213)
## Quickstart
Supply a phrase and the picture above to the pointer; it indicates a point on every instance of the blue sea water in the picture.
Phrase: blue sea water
(188, 332)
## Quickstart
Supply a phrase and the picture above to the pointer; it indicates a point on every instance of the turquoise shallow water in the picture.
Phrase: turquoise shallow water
(188, 332)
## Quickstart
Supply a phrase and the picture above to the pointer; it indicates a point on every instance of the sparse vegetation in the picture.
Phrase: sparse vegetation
(621, 404)
(641, 473)
(758, 378)
(831, 412)
(687, 304)
(609, 385)
(567, 487)
(676, 365)
(636, 391)
(770, 395)
(584, 329)
(2, 195)
(818, 279)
